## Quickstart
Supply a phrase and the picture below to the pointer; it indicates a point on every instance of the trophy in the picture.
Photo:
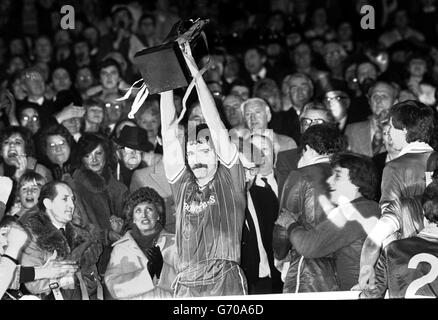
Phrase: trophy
(163, 67)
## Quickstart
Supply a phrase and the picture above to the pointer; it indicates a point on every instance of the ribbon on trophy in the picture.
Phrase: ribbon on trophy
(183, 39)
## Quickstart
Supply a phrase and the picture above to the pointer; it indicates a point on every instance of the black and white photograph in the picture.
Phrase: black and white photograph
(218, 156)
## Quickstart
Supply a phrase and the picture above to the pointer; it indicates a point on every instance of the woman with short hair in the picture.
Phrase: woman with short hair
(56, 145)
(99, 196)
(142, 261)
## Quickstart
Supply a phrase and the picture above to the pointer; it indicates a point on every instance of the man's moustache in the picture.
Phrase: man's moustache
(199, 166)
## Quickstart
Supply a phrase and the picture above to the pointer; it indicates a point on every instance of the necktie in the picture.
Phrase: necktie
(62, 231)
(265, 180)
(377, 142)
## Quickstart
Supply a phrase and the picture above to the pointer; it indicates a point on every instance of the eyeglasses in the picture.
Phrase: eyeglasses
(54, 145)
(338, 98)
(30, 119)
(109, 105)
(85, 77)
(308, 121)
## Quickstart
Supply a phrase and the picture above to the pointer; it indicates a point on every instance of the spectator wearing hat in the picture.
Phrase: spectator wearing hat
(132, 143)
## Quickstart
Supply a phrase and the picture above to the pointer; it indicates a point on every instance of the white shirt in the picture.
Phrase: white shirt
(261, 74)
(264, 270)
(38, 101)
(342, 123)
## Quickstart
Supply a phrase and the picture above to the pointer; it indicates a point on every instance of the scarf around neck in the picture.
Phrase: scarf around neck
(145, 242)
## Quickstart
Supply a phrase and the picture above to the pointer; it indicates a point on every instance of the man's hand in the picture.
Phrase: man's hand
(367, 278)
(155, 263)
(55, 269)
(5, 188)
(286, 218)
(21, 165)
(7, 103)
(122, 33)
(69, 112)
(116, 223)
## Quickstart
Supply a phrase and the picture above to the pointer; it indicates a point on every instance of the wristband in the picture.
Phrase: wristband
(10, 258)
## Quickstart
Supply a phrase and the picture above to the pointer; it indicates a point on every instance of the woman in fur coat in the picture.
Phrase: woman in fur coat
(99, 196)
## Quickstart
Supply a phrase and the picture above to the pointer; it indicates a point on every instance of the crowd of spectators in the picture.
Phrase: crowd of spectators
(340, 120)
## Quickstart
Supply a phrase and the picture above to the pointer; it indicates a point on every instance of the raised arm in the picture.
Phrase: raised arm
(173, 156)
(371, 251)
(225, 149)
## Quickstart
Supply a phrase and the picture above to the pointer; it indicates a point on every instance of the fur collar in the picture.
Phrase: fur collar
(92, 181)
(49, 238)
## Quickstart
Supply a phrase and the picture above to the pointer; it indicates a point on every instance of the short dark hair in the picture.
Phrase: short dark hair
(194, 132)
(324, 138)
(260, 50)
(429, 201)
(145, 194)
(119, 9)
(24, 133)
(90, 141)
(416, 117)
(266, 85)
(362, 172)
(48, 191)
(366, 61)
(110, 62)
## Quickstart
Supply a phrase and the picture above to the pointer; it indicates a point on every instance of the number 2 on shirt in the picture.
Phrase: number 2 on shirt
(426, 279)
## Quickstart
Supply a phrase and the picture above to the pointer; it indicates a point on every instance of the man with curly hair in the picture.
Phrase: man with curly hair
(352, 187)
(301, 192)
(208, 183)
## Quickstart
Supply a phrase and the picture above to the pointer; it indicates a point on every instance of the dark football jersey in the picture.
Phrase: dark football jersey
(408, 268)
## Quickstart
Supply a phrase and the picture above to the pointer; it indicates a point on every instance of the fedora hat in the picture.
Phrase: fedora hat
(135, 138)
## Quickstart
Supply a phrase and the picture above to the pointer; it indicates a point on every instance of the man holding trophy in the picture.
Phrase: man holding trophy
(207, 181)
